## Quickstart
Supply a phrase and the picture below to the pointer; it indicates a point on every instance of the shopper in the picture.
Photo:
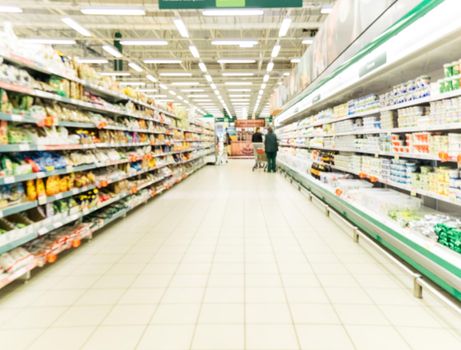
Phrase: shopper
(271, 146)
(227, 142)
(257, 137)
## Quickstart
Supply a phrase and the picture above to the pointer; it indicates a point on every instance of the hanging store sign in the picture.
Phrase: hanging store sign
(207, 4)
(250, 123)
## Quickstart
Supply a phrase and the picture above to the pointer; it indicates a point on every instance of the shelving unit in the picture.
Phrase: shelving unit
(388, 151)
(171, 153)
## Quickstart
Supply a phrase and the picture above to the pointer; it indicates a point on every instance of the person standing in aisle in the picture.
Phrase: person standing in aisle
(257, 137)
(227, 143)
(271, 146)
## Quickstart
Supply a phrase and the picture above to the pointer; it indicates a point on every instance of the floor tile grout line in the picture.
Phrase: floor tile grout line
(426, 307)
(316, 276)
(170, 280)
(298, 340)
(126, 289)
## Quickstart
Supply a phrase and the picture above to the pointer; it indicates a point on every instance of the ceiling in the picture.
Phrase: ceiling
(43, 19)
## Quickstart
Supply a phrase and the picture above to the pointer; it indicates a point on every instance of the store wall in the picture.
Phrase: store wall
(351, 25)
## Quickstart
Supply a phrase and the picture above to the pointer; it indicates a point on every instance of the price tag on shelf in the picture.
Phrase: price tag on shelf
(57, 224)
(42, 231)
(58, 196)
(24, 147)
(75, 191)
(17, 118)
(8, 179)
(42, 199)
(41, 175)
(396, 156)
(69, 168)
(413, 193)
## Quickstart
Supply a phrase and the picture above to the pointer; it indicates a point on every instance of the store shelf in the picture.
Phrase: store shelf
(439, 263)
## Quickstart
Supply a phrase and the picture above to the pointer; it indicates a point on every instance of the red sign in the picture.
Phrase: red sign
(252, 123)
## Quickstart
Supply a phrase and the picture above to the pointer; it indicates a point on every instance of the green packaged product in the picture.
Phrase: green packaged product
(449, 236)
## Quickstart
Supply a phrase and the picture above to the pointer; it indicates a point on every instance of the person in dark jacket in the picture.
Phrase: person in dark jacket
(271, 146)
(257, 137)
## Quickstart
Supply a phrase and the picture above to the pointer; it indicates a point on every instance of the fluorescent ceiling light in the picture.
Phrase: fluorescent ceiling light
(198, 96)
(193, 50)
(172, 92)
(148, 90)
(181, 27)
(280, 83)
(202, 67)
(239, 90)
(45, 41)
(185, 83)
(308, 41)
(175, 74)
(192, 90)
(159, 96)
(295, 60)
(270, 66)
(181, 98)
(326, 10)
(151, 78)
(284, 27)
(135, 66)
(115, 74)
(266, 78)
(76, 26)
(10, 9)
(94, 60)
(208, 78)
(112, 51)
(197, 100)
(237, 74)
(240, 100)
(286, 74)
(143, 42)
(162, 61)
(213, 86)
(263, 86)
(163, 86)
(275, 51)
(236, 60)
(260, 92)
(241, 43)
(237, 83)
(233, 12)
(238, 95)
(113, 11)
(132, 83)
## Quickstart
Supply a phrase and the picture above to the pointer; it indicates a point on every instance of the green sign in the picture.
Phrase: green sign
(208, 115)
(207, 4)
(372, 65)
(219, 120)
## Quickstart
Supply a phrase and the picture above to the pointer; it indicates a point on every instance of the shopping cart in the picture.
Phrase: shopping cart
(260, 157)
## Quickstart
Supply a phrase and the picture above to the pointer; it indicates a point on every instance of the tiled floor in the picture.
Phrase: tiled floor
(229, 259)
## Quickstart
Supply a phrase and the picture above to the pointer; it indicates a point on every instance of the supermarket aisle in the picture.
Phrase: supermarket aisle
(227, 260)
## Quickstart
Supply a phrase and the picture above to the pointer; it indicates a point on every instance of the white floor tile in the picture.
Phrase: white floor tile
(222, 314)
(167, 337)
(176, 314)
(62, 338)
(324, 337)
(270, 337)
(314, 314)
(216, 337)
(120, 337)
(372, 337)
(267, 314)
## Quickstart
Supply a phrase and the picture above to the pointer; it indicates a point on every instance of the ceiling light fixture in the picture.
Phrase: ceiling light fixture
(233, 12)
(192, 90)
(237, 74)
(326, 10)
(286, 74)
(76, 26)
(198, 96)
(263, 86)
(202, 67)
(112, 51)
(148, 90)
(151, 78)
(193, 50)
(175, 74)
(135, 66)
(172, 92)
(266, 78)
(270, 66)
(162, 61)
(185, 83)
(235, 60)
(115, 74)
(158, 96)
(113, 11)
(239, 90)
(213, 86)
(45, 41)
(208, 78)
(181, 27)
(284, 27)
(163, 86)
(143, 42)
(307, 41)
(295, 60)
(275, 51)
(238, 95)
(10, 9)
(241, 43)
(94, 60)
(237, 83)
